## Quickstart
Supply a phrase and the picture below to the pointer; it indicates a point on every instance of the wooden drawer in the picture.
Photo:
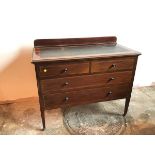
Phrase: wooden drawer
(69, 83)
(85, 96)
(63, 69)
(111, 65)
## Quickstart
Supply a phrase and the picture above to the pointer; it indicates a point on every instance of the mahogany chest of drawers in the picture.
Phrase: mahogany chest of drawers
(80, 71)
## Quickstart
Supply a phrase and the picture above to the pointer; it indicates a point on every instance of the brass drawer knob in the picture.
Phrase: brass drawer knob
(45, 70)
(112, 78)
(109, 93)
(66, 98)
(65, 70)
(113, 65)
(66, 83)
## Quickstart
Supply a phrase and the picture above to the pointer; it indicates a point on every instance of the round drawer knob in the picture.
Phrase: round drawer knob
(114, 65)
(66, 98)
(110, 93)
(66, 69)
(66, 83)
(112, 78)
(45, 70)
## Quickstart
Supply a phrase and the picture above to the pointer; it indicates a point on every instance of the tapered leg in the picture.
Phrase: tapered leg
(41, 101)
(43, 117)
(127, 101)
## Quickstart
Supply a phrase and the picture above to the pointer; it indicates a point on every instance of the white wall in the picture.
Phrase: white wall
(132, 21)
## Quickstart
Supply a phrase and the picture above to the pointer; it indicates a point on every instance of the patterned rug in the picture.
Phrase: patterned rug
(96, 119)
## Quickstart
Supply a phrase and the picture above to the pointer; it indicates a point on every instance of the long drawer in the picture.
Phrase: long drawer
(69, 83)
(85, 96)
(63, 69)
(112, 65)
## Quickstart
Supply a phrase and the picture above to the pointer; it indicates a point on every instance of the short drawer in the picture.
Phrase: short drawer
(111, 65)
(69, 83)
(85, 96)
(63, 69)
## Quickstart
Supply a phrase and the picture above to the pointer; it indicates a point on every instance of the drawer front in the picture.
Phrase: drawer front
(63, 69)
(112, 65)
(69, 83)
(85, 96)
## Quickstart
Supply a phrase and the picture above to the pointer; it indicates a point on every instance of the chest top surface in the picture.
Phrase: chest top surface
(74, 50)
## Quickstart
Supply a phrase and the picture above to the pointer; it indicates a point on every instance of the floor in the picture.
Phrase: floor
(23, 117)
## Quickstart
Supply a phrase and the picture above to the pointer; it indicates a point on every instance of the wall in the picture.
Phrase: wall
(23, 21)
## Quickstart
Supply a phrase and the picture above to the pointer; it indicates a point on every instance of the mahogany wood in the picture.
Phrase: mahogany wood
(111, 40)
(73, 80)
(64, 69)
(85, 96)
(112, 65)
(85, 81)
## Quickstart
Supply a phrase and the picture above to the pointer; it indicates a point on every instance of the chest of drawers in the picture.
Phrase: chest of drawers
(80, 71)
